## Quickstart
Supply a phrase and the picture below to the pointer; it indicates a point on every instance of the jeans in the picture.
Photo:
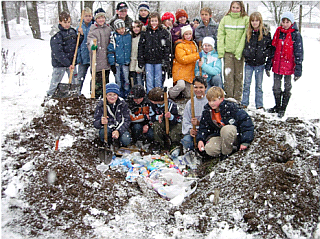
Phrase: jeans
(122, 80)
(82, 72)
(153, 76)
(181, 86)
(137, 78)
(248, 71)
(136, 130)
(188, 142)
(215, 81)
(125, 138)
(277, 84)
(57, 75)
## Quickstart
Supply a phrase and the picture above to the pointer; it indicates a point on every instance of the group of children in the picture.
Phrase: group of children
(154, 45)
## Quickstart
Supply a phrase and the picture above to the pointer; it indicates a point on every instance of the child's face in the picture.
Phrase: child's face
(157, 102)
(122, 13)
(187, 35)
(235, 7)
(66, 23)
(214, 103)
(285, 23)
(136, 29)
(207, 47)
(112, 97)
(255, 24)
(121, 30)
(138, 101)
(205, 16)
(101, 20)
(195, 24)
(182, 20)
(87, 18)
(154, 22)
(199, 89)
(143, 13)
(167, 23)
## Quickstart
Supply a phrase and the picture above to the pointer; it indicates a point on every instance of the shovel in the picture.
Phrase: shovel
(167, 137)
(192, 112)
(93, 68)
(70, 90)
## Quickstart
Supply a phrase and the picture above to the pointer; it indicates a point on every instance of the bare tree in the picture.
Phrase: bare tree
(88, 4)
(276, 8)
(65, 6)
(17, 6)
(32, 12)
(5, 19)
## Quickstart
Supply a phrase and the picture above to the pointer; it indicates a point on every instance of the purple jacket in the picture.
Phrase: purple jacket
(177, 28)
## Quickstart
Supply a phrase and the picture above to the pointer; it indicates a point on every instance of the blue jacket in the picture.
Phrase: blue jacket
(156, 110)
(211, 65)
(63, 45)
(231, 114)
(119, 48)
(83, 56)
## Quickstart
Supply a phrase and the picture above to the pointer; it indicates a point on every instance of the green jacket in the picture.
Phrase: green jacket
(232, 34)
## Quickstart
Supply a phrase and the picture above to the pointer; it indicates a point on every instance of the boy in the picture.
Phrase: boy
(210, 64)
(63, 45)
(199, 86)
(207, 27)
(287, 60)
(224, 127)
(144, 11)
(121, 13)
(119, 53)
(83, 57)
(118, 117)
(139, 113)
(157, 116)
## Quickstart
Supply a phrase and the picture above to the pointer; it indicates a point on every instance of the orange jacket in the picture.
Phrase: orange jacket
(186, 56)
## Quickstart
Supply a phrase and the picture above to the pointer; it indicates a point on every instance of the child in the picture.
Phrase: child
(200, 86)
(139, 104)
(210, 64)
(257, 49)
(168, 20)
(121, 13)
(207, 28)
(144, 12)
(63, 45)
(224, 127)
(118, 117)
(195, 23)
(186, 55)
(100, 31)
(182, 20)
(119, 53)
(83, 57)
(289, 55)
(157, 116)
(154, 51)
(135, 71)
(231, 40)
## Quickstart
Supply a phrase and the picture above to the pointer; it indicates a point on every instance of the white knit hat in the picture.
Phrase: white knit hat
(208, 40)
(185, 29)
(119, 23)
(288, 15)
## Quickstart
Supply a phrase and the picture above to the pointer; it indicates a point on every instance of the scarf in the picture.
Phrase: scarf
(287, 43)
(144, 20)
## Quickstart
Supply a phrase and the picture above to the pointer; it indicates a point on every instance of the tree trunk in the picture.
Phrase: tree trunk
(5, 19)
(300, 18)
(32, 12)
(59, 8)
(17, 6)
(89, 4)
(65, 6)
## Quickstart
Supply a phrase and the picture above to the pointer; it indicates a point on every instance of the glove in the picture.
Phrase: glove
(268, 73)
(94, 47)
(296, 78)
(200, 54)
(114, 69)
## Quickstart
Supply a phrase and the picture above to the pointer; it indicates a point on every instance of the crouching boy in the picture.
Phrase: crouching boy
(118, 117)
(224, 127)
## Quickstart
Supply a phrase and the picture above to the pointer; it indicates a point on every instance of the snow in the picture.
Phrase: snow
(24, 86)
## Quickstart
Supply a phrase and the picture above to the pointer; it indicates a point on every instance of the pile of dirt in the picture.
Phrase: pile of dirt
(269, 190)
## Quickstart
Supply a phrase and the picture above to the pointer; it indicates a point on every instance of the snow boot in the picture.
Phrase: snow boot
(284, 104)
(277, 99)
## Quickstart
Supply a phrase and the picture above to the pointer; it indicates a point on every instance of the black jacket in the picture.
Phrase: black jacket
(63, 45)
(156, 110)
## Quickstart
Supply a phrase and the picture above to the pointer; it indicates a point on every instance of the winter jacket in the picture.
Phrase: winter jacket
(232, 34)
(63, 45)
(134, 55)
(203, 31)
(231, 114)
(283, 66)
(83, 56)
(139, 112)
(177, 28)
(154, 47)
(128, 22)
(256, 52)
(102, 34)
(186, 55)
(119, 49)
(119, 119)
(156, 110)
(211, 65)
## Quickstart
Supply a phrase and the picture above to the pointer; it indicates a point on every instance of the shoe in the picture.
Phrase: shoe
(223, 157)
(243, 106)
(281, 113)
(273, 110)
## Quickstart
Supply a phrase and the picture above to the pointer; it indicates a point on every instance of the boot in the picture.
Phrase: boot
(277, 99)
(284, 104)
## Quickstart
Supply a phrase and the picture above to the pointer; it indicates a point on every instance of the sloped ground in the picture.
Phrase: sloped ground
(261, 193)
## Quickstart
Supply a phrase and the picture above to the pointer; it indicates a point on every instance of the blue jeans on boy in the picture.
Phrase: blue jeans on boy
(122, 80)
(125, 138)
(215, 81)
(248, 71)
(187, 142)
(137, 129)
(82, 72)
(153, 76)
(57, 76)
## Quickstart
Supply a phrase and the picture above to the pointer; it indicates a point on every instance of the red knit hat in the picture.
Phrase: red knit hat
(167, 16)
(181, 13)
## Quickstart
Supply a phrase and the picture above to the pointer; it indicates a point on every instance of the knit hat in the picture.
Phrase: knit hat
(156, 94)
(119, 23)
(137, 91)
(196, 19)
(112, 87)
(144, 6)
(121, 6)
(288, 15)
(185, 29)
(181, 13)
(208, 40)
(167, 16)
(99, 13)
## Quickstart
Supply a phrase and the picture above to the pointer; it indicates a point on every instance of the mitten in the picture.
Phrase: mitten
(114, 69)
(296, 78)
(94, 47)
(200, 54)
(268, 73)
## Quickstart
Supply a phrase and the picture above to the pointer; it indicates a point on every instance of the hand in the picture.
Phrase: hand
(114, 69)
(115, 134)
(168, 115)
(194, 121)
(160, 118)
(177, 33)
(242, 147)
(145, 129)
(193, 132)
(268, 73)
(205, 76)
(104, 120)
(200, 63)
(80, 30)
(200, 54)
(296, 78)
(201, 146)
(71, 67)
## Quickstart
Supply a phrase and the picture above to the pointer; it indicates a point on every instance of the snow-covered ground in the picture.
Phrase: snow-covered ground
(24, 85)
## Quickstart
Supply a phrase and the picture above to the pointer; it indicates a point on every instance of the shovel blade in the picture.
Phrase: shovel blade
(65, 90)
(105, 155)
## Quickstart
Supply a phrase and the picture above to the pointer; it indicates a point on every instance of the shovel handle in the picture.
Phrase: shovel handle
(165, 97)
(105, 127)
(76, 50)
(192, 110)
(93, 68)
(200, 49)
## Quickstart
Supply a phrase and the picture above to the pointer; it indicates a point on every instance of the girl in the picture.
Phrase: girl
(231, 40)
(154, 51)
(186, 55)
(135, 72)
(182, 20)
(257, 49)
